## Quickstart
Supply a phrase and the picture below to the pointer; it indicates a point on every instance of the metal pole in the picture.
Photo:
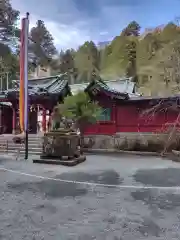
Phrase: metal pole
(26, 110)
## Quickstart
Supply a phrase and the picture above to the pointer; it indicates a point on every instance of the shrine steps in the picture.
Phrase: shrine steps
(8, 146)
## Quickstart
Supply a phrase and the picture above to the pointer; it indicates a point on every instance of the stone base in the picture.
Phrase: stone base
(175, 156)
(64, 158)
(69, 163)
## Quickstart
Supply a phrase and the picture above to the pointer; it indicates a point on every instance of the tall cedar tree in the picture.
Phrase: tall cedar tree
(131, 31)
(67, 64)
(87, 61)
(9, 34)
(8, 21)
(41, 45)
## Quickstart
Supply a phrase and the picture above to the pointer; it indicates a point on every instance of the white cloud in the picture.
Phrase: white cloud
(64, 36)
(103, 33)
(71, 22)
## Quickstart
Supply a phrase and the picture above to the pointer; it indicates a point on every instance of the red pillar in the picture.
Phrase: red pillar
(44, 120)
(50, 120)
(114, 109)
(14, 120)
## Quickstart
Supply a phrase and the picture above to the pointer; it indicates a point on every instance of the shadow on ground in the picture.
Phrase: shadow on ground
(106, 177)
(147, 227)
(169, 177)
(48, 188)
(152, 198)
(58, 189)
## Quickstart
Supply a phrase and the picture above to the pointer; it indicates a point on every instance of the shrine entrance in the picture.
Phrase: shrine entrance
(44, 94)
(33, 115)
(6, 115)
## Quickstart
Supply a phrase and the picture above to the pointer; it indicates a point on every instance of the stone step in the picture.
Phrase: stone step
(22, 152)
(29, 139)
(29, 142)
(22, 149)
(8, 146)
(35, 143)
(13, 145)
(16, 148)
(29, 136)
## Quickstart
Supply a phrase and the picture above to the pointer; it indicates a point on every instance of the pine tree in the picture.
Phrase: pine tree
(41, 45)
(133, 29)
(8, 20)
(66, 61)
(87, 61)
(131, 49)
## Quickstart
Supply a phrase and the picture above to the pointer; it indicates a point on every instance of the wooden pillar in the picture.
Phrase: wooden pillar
(13, 120)
(114, 112)
(114, 109)
(50, 120)
(44, 119)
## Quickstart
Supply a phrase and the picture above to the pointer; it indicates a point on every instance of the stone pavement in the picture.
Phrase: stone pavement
(43, 202)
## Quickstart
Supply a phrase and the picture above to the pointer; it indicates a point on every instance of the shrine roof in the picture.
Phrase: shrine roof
(121, 85)
(42, 87)
(156, 98)
(101, 86)
(58, 85)
(52, 84)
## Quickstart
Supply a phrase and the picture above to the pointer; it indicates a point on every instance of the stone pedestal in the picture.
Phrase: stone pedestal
(61, 144)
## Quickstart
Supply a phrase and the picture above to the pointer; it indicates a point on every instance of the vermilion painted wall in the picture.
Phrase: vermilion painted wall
(131, 117)
(104, 127)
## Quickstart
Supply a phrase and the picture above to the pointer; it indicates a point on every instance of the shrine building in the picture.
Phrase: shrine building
(122, 105)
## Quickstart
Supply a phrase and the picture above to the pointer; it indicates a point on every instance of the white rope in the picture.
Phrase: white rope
(165, 188)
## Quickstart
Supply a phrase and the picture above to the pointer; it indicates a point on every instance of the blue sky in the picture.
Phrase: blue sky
(72, 22)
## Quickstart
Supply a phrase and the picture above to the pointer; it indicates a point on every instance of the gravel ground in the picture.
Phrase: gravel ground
(32, 208)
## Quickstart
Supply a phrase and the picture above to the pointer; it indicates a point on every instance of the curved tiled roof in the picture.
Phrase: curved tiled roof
(41, 87)
(58, 85)
(121, 85)
(100, 85)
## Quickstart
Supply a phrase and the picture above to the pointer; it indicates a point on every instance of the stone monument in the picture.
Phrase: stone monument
(62, 143)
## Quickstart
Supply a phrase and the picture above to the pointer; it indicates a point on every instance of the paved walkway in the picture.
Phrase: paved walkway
(104, 198)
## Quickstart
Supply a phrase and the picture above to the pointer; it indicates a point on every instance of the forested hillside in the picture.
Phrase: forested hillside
(153, 58)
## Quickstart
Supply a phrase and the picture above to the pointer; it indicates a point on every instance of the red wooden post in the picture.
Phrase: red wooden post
(114, 112)
(50, 120)
(114, 109)
(14, 120)
(44, 120)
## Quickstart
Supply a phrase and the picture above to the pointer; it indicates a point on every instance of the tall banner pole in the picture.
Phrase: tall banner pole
(21, 90)
(26, 102)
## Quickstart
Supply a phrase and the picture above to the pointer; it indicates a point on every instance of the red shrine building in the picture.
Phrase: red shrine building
(123, 109)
